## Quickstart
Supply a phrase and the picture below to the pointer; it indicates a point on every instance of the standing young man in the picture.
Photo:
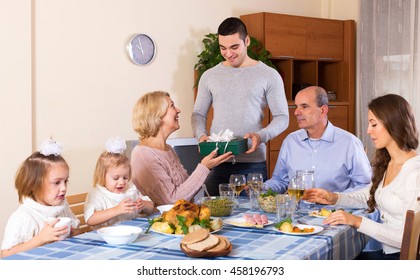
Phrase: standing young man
(239, 89)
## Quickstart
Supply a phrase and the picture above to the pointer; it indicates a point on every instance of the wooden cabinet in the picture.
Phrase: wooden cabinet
(309, 51)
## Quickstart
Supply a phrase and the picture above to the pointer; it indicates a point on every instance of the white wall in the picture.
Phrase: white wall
(65, 73)
(15, 98)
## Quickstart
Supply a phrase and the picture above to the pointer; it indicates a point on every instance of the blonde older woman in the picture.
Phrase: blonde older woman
(157, 170)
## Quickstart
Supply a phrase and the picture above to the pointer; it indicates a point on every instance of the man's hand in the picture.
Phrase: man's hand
(203, 138)
(256, 141)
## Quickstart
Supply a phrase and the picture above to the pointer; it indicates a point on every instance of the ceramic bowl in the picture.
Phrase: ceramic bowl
(119, 235)
(164, 208)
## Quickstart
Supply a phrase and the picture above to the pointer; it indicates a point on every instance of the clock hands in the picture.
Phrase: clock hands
(140, 47)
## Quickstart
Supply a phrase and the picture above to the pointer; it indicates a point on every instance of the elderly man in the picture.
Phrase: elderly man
(336, 156)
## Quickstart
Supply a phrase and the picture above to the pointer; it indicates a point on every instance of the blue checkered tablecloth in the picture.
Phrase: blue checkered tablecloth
(334, 242)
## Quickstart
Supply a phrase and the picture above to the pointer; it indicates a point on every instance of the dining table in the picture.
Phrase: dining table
(339, 242)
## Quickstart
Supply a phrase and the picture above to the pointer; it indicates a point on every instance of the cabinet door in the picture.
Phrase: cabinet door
(285, 35)
(338, 115)
(324, 38)
(272, 162)
(275, 143)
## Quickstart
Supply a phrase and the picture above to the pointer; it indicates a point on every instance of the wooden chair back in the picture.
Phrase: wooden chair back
(411, 237)
(77, 206)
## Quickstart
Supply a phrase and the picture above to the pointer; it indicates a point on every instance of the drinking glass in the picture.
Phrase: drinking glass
(226, 191)
(132, 195)
(308, 180)
(255, 181)
(253, 199)
(237, 183)
(285, 207)
(296, 189)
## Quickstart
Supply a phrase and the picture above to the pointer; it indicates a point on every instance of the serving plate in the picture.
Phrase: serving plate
(315, 213)
(241, 222)
(317, 229)
(180, 235)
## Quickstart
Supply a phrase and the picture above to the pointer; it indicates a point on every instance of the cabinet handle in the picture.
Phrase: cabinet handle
(332, 106)
(326, 58)
(292, 106)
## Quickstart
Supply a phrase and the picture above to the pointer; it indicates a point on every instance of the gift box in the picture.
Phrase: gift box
(236, 146)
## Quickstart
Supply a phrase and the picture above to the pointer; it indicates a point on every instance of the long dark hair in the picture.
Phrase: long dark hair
(396, 115)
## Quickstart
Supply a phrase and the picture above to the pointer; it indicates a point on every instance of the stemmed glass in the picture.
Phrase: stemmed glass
(255, 181)
(296, 189)
(237, 183)
(308, 180)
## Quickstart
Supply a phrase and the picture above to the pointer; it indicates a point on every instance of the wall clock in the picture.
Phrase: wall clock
(141, 49)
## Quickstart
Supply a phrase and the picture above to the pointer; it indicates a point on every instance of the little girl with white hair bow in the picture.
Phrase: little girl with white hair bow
(114, 198)
(41, 183)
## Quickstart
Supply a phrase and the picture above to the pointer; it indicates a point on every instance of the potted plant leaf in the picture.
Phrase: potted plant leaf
(211, 55)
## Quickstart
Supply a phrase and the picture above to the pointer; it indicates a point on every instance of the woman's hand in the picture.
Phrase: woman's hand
(343, 218)
(320, 196)
(213, 160)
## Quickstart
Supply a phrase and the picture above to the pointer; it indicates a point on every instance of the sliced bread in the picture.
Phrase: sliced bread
(195, 236)
(205, 244)
(222, 245)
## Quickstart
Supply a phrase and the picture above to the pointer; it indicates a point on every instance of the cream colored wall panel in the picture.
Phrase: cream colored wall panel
(15, 99)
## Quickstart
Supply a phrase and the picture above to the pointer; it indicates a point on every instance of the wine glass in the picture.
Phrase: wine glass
(296, 189)
(255, 181)
(308, 180)
(237, 182)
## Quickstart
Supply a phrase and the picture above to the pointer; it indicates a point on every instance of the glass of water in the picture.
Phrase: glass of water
(226, 191)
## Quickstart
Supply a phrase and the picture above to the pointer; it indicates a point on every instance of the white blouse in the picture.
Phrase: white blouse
(100, 198)
(29, 219)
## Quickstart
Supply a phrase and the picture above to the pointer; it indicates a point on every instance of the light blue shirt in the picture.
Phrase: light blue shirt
(338, 159)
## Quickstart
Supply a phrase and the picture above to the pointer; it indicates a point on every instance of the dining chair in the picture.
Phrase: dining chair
(411, 236)
(77, 204)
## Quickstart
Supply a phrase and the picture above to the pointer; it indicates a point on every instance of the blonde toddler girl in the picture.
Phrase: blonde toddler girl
(114, 199)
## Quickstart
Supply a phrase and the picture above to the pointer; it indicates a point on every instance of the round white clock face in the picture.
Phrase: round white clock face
(141, 49)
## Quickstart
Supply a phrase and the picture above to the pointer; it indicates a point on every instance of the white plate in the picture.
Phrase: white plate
(317, 229)
(240, 222)
(315, 213)
(179, 235)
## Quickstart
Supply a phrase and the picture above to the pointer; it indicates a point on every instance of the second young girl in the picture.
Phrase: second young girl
(114, 199)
